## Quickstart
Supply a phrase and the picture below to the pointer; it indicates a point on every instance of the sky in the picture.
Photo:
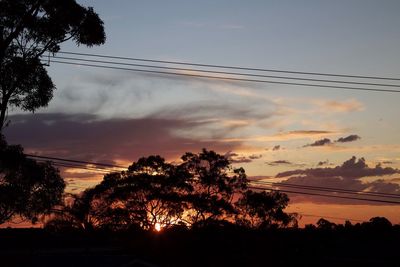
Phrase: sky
(117, 116)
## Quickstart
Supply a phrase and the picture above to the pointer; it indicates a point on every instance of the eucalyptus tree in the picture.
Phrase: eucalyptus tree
(30, 29)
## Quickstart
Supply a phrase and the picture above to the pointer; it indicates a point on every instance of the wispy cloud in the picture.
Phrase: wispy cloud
(88, 137)
(276, 148)
(350, 138)
(351, 105)
(321, 142)
(283, 162)
(236, 158)
(327, 141)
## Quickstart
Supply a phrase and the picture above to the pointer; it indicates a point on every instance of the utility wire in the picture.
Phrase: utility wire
(224, 72)
(327, 189)
(75, 166)
(230, 67)
(110, 168)
(71, 165)
(323, 195)
(81, 167)
(228, 78)
(254, 187)
(76, 161)
(330, 217)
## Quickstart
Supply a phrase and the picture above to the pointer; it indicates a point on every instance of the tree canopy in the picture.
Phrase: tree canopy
(28, 29)
(203, 189)
(27, 188)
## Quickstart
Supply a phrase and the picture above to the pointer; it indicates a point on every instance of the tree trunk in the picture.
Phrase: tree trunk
(3, 112)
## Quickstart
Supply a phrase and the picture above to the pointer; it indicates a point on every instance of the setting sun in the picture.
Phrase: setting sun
(157, 226)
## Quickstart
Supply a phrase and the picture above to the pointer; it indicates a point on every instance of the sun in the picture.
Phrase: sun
(157, 226)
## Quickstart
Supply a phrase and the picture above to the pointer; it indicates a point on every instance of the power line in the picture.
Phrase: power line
(110, 167)
(224, 72)
(103, 170)
(229, 78)
(76, 161)
(75, 166)
(231, 67)
(322, 195)
(256, 187)
(327, 189)
(72, 165)
(81, 167)
(330, 217)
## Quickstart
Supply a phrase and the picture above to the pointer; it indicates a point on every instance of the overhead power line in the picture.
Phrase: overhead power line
(330, 217)
(72, 164)
(223, 72)
(228, 78)
(324, 195)
(231, 67)
(76, 161)
(65, 165)
(104, 171)
(326, 189)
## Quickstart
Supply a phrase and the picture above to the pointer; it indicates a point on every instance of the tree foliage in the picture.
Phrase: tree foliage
(27, 188)
(203, 189)
(29, 29)
(264, 210)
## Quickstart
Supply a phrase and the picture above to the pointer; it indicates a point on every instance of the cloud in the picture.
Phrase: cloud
(350, 176)
(90, 138)
(397, 180)
(255, 157)
(351, 105)
(322, 142)
(322, 163)
(303, 134)
(111, 94)
(258, 177)
(236, 158)
(276, 148)
(279, 162)
(284, 136)
(240, 160)
(327, 141)
(350, 138)
(307, 132)
(283, 162)
(229, 121)
(350, 169)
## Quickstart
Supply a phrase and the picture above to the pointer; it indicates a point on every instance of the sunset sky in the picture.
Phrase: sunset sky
(117, 116)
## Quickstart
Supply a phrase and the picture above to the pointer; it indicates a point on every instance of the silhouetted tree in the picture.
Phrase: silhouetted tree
(28, 29)
(264, 210)
(77, 212)
(203, 190)
(324, 224)
(149, 192)
(378, 224)
(215, 184)
(27, 188)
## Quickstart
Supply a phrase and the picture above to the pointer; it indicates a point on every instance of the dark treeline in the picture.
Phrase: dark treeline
(373, 243)
(28, 189)
(203, 189)
(207, 215)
